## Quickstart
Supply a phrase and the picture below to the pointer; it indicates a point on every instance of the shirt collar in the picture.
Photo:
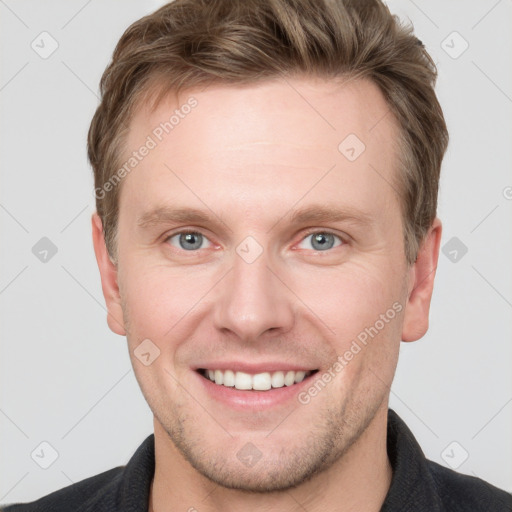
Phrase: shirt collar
(412, 485)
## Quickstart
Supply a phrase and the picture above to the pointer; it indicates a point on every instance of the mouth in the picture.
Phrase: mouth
(264, 381)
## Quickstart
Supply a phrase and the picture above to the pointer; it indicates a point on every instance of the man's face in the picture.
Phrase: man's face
(259, 288)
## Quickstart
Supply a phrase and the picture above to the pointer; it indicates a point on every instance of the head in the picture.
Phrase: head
(267, 119)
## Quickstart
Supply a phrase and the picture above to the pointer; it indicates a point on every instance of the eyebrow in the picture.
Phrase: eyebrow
(322, 213)
(165, 214)
(314, 213)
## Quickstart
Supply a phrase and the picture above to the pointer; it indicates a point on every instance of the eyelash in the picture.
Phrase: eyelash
(309, 233)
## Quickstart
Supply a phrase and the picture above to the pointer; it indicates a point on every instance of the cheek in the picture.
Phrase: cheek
(363, 306)
(349, 298)
(159, 298)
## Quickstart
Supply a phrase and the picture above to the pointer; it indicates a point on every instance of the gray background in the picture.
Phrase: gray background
(65, 379)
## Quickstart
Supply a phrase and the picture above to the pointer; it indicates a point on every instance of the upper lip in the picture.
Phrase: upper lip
(254, 368)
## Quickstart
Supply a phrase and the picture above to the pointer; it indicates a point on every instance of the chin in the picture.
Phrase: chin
(272, 472)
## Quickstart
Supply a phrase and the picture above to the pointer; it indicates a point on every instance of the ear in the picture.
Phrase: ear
(421, 285)
(108, 273)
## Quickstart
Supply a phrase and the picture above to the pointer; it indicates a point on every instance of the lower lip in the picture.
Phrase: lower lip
(253, 400)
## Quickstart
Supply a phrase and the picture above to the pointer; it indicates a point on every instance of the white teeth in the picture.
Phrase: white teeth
(229, 378)
(289, 378)
(259, 382)
(299, 376)
(277, 380)
(242, 380)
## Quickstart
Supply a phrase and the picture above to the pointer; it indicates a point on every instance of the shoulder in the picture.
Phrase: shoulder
(102, 487)
(119, 489)
(461, 493)
(421, 485)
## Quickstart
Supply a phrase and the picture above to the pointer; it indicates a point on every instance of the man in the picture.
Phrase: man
(266, 175)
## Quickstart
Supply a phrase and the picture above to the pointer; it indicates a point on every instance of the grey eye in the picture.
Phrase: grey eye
(189, 241)
(322, 241)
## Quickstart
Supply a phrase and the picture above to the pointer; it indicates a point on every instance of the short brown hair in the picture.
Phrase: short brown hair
(190, 43)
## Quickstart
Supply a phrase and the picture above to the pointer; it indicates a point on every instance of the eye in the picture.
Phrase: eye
(188, 240)
(321, 241)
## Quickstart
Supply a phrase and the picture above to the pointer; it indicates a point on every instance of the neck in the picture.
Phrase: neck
(359, 480)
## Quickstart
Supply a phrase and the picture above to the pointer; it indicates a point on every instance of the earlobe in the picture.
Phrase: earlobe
(421, 285)
(108, 273)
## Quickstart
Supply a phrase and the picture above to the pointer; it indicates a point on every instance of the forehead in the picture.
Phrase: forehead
(264, 146)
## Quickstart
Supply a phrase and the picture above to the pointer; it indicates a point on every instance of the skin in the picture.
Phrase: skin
(254, 155)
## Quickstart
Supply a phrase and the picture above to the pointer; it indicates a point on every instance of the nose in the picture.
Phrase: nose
(253, 300)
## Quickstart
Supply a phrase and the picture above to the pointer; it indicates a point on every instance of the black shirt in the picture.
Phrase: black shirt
(417, 485)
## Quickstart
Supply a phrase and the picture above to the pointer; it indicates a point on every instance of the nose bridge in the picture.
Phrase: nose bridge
(251, 299)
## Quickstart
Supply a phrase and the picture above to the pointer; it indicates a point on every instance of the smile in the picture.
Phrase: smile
(257, 382)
